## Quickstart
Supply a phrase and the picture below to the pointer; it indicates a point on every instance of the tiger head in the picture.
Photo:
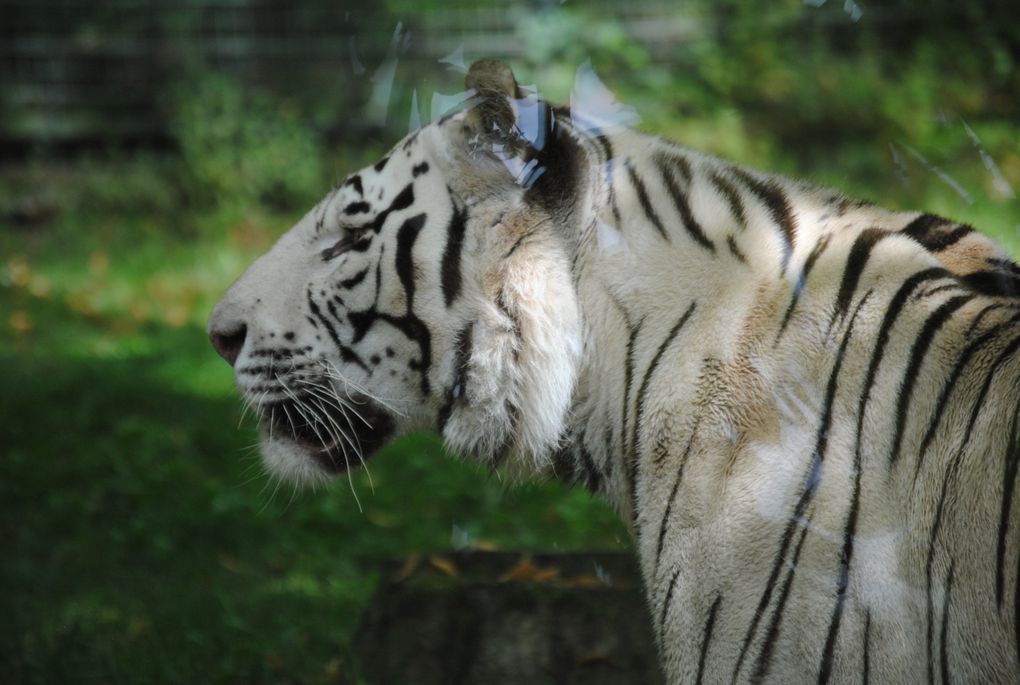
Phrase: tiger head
(431, 290)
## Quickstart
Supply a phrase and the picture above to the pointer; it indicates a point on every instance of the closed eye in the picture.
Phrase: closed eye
(337, 248)
(358, 242)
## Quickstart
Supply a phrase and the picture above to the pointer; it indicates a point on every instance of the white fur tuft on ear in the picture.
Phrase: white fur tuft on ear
(525, 354)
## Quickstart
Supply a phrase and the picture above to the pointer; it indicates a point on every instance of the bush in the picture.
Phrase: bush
(240, 146)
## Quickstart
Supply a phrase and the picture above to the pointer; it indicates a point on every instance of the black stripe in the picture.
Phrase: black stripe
(920, 227)
(892, 313)
(355, 182)
(940, 289)
(607, 440)
(732, 197)
(346, 353)
(1016, 606)
(850, 527)
(357, 278)
(925, 230)
(404, 260)
(764, 662)
(628, 377)
(450, 270)
(731, 243)
(681, 164)
(809, 264)
(605, 144)
(843, 579)
(866, 666)
(1004, 264)
(609, 165)
(1009, 473)
(779, 207)
(667, 168)
(646, 204)
(993, 283)
(947, 388)
(462, 356)
(403, 200)
(520, 241)
(980, 316)
(592, 477)
(331, 308)
(943, 649)
(707, 639)
(408, 323)
(359, 207)
(652, 366)
(950, 474)
(639, 415)
(665, 604)
(811, 484)
(918, 352)
(855, 263)
(936, 527)
(949, 238)
(664, 520)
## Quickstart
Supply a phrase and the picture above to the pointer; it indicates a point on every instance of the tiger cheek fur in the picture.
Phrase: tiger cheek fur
(806, 408)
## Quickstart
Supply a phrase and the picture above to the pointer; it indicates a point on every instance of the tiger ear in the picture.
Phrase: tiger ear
(512, 123)
(495, 90)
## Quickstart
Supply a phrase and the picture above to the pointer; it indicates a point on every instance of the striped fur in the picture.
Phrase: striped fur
(807, 408)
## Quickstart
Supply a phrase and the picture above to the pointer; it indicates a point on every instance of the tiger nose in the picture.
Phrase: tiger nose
(227, 336)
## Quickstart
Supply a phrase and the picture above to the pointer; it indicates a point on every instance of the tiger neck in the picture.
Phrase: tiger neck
(667, 252)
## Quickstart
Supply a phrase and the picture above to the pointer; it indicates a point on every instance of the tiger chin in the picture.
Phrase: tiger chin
(806, 407)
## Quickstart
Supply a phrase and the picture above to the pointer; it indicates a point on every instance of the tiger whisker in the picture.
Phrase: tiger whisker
(358, 450)
(331, 371)
(312, 421)
(319, 392)
(345, 407)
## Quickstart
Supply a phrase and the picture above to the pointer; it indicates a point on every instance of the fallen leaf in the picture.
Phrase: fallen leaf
(444, 565)
(409, 567)
(525, 570)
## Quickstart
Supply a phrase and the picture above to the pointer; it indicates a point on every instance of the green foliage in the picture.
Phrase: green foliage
(239, 145)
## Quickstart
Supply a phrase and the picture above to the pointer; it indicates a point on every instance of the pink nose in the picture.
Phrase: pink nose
(228, 339)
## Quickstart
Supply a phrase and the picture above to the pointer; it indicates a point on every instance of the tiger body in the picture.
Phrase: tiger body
(806, 408)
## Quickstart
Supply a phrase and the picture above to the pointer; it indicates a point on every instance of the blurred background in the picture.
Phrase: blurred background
(150, 149)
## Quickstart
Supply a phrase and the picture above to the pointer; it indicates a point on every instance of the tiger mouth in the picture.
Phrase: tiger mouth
(337, 441)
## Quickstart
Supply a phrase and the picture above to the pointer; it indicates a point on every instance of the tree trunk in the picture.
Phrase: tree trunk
(495, 618)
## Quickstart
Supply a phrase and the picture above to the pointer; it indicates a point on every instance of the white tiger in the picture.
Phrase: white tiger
(806, 407)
